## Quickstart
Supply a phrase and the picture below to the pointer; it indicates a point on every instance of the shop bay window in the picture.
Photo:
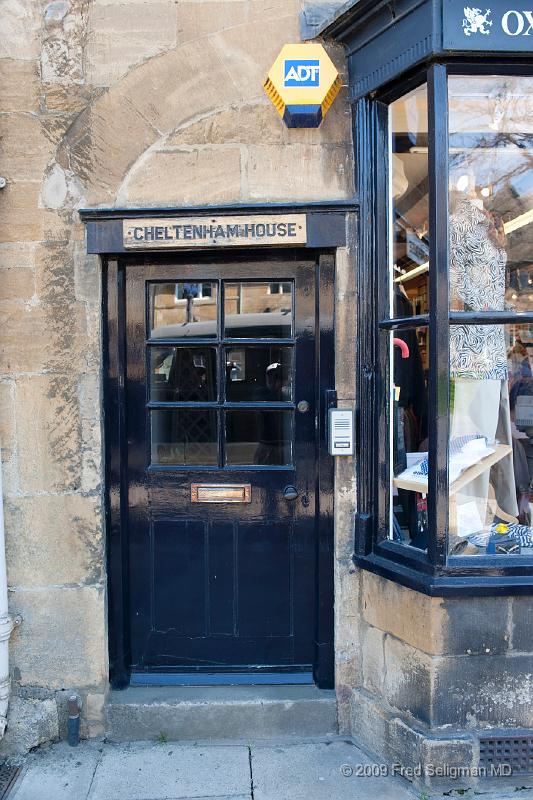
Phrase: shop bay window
(452, 496)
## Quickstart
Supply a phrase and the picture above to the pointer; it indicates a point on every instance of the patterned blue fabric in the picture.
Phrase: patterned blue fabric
(456, 446)
(477, 283)
(520, 533)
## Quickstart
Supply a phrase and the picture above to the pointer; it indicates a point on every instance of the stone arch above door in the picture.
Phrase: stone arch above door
(240, 153)
(135, 143)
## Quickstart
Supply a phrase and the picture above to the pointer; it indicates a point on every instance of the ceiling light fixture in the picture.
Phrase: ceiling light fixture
(413, 273)
(518, 222)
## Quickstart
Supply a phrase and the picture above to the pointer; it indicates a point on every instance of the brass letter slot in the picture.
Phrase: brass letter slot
(221, 493)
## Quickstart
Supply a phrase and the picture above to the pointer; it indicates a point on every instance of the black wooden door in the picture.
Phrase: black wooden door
(221, 412)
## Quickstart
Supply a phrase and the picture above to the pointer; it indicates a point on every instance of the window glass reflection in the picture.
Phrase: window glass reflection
(183, 374)
(491, 192)
(491, 269)
(258, 309)
(257, 374)
(259, 437)
(409, 203)
(183, 309)
(491, 450)
(184, 436)
(409, 442)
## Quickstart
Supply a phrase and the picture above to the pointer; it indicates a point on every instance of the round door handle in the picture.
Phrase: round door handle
(290, 493)
(303, 406)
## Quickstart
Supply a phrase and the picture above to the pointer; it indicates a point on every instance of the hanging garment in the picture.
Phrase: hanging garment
(478, 357)
(477, 283)
(399, 454)
(521, 469)
(482, 407)
(411, 431)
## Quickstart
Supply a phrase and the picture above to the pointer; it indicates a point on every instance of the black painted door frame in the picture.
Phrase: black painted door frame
(114, 295)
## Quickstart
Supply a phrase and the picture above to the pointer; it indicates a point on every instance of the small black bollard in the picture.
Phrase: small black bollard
(73, 721)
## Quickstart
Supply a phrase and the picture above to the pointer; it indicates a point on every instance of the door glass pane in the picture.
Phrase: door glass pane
(184, 436)
(409, 437)
(409, 193)
(491, 441)
(183, 374)
(258, 309)
(491, 192)
(258, 373)
(183, 309)
(259, 437)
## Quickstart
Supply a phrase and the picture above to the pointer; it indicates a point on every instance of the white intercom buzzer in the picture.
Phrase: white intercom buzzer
(341, 432)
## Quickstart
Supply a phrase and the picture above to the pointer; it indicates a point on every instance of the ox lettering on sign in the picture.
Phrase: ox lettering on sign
(498, 26)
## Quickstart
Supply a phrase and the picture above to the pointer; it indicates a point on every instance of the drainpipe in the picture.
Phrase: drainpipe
(7, 621)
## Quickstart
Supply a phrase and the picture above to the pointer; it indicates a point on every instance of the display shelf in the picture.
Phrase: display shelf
(500, 451)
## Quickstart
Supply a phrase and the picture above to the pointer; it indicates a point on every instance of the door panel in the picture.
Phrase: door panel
(179, 560)
(264, 569)
(217, 359)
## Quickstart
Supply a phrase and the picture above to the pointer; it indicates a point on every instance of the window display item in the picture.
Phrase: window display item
(502, 545)
(465, 451)
(482, 406)
(524, 411)
(485, 447)
(522, 534)
(478, 355)
(477, 283)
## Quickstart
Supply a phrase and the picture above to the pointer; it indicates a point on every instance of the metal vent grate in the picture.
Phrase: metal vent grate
(498, 751)
(8, 776)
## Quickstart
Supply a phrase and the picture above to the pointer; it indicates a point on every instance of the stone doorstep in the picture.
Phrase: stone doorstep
(185, 713)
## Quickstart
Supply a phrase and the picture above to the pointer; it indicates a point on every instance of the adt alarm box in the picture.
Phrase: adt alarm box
(340, 431)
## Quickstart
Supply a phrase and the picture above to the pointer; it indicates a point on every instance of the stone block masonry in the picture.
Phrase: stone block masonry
(438, 674)
(114, 103)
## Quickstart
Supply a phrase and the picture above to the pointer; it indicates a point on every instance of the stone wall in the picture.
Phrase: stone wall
(130, 103)
(438, 673)
(347, 655)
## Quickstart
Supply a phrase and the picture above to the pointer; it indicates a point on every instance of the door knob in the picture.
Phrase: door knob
(290, 493)
(303, 406)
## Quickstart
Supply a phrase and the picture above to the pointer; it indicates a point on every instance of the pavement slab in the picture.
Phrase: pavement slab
(321, 771)
(58, 772)
(168, 771)
(325, 769)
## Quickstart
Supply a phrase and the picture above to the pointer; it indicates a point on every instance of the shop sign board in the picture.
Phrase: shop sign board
(498, 25)
(302, 84)
(239, 231)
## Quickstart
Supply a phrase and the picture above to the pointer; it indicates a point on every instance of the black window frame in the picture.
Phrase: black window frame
(434, 572)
